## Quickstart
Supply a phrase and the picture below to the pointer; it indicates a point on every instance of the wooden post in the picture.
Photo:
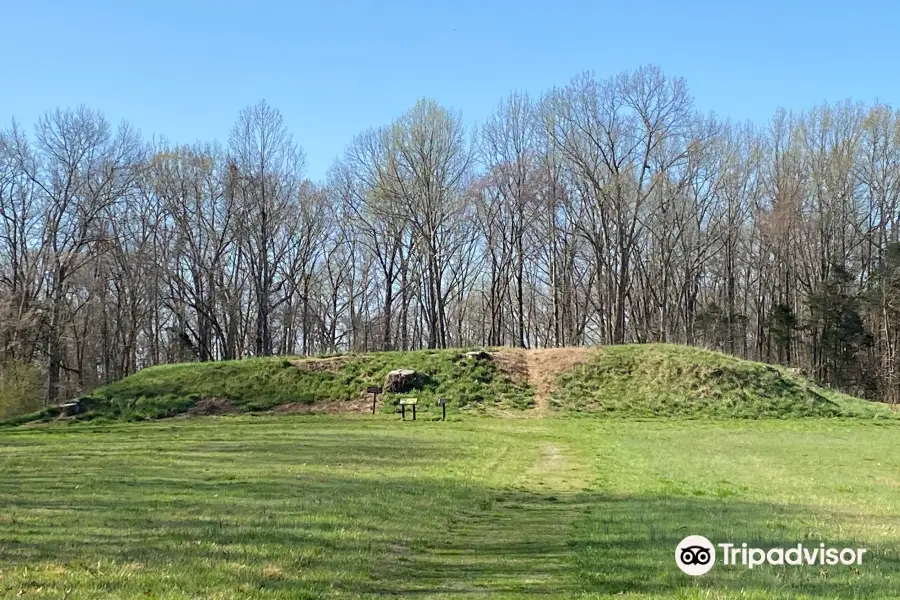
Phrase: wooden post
(443, 403)
(414, 412)
(374, 390)
(403, 410)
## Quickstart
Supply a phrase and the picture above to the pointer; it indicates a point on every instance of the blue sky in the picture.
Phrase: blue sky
(185, 69)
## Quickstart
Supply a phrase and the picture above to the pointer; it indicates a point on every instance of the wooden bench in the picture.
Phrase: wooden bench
(404, 402)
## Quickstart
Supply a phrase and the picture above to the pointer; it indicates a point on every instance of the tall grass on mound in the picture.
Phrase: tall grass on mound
(259, 384)
(664, 380)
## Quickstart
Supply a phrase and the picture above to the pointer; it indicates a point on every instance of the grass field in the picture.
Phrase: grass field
(363, 507)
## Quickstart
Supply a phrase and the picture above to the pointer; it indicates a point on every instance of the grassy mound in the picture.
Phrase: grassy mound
(335, 384)
(631, 381)
(664, 380)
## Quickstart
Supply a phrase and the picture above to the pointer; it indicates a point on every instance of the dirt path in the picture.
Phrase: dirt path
(540, 367)
(518, 541)
(555, 470)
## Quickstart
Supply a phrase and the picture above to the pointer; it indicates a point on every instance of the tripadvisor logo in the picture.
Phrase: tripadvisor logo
(696, 555)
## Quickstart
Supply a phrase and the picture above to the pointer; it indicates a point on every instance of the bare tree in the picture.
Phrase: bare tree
(268, 168)
(79, 167)
(431, 168)
(509, 150)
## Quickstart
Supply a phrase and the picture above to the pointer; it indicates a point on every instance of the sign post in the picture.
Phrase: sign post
(404, 402)
(374, 390)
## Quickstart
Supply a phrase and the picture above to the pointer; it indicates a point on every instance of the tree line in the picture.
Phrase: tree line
(605, 211)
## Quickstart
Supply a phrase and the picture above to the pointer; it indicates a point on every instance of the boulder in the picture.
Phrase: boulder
(478, 355)
(401, 380)
(69, 409)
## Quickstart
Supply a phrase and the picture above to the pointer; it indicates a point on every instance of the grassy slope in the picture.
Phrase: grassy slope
(664, 380)
(634, 381)
(326, 507)
(262, 383)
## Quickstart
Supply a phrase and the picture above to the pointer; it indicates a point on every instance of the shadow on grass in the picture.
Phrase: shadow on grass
(627, 545)
(544, 545)
(409, 537)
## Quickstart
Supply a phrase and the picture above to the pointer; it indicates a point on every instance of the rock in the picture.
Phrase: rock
(69, 408)
(401, 380)
(478, 355)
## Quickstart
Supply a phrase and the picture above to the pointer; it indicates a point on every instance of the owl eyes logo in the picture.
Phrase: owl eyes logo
(695, 555)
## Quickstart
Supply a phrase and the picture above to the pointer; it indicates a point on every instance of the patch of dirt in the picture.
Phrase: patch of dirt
(552, 456)
(512, 363)
(213, 406)
(338, 406)
(332, 363)
(558, 470)
(540, 367)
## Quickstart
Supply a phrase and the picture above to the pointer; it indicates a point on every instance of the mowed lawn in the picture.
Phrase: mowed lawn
(337, 507)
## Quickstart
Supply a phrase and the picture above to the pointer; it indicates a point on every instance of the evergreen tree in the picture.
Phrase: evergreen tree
(838, 332)
(782, 329)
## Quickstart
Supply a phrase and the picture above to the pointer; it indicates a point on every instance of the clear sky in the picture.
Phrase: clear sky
(184, 69)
